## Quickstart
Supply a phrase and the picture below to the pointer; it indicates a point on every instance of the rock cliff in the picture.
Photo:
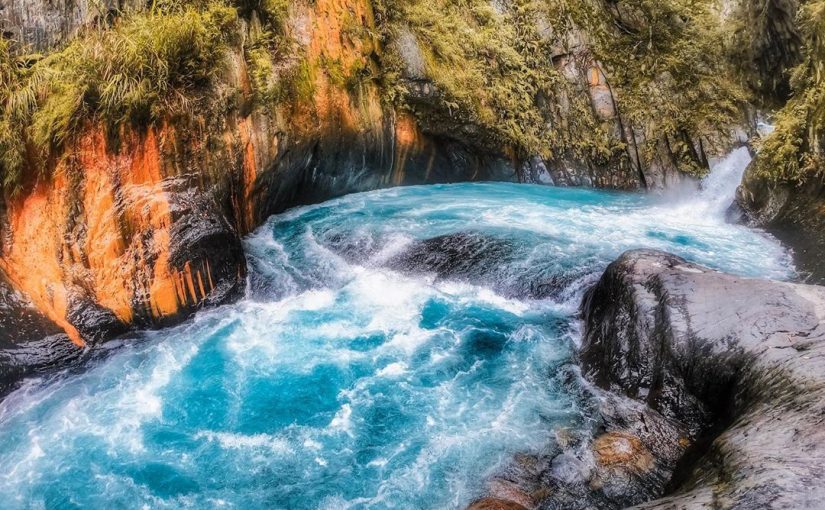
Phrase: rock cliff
(794, 212)
(110, 222)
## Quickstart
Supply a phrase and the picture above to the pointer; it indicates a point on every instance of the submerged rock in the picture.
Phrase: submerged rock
(484, 259)
(495, 504)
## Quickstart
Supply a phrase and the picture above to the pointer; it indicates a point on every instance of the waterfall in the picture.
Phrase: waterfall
(716, 191)
(719, 187)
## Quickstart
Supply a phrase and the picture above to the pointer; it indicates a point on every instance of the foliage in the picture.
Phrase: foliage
(489, 64)
(795, 151)
(493, 64)
(665, 65)
(763, 43)
(147, 67)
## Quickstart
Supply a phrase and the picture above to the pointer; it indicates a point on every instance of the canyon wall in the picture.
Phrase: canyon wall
(794, 212)
(141, 226)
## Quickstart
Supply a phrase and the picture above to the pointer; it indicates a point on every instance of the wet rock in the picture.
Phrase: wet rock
(710, 391)
(737, 359)
(29, 341)
(483, 259)
(205, 244)
(93, 321)
(622, 449)
(495, 504)
(463, 255)
(793, 214)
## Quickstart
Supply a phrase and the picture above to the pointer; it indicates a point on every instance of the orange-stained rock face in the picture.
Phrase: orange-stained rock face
(101, 231)
(145, 233)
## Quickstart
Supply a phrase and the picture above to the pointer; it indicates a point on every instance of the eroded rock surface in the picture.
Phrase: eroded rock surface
(709, 349)
(709, 389)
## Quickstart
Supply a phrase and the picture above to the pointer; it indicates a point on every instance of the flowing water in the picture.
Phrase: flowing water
(367, 367)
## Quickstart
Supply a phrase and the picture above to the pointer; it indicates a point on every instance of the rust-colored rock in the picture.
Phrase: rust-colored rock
(622, 450)
(144, 233)
(495, 504)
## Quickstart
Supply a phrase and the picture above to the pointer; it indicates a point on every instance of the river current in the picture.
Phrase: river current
(394, 350)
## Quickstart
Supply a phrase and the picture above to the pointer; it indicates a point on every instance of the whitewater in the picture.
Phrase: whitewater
(395, 349)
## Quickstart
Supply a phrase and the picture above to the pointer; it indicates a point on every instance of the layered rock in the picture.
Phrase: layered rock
(29, 341)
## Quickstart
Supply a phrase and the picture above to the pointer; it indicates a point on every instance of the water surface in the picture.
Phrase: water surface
(346, 379)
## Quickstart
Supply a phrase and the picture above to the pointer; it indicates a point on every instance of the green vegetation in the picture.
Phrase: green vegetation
(493, 65)
(666, 67)
(795, 151)
(763, 43)
(148, 67)
(513, 74)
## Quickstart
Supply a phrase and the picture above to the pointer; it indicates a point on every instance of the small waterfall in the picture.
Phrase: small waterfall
(717, 190)
(719, 187)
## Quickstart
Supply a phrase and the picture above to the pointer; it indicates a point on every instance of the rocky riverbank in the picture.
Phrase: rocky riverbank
(710, 389)
(792, 212)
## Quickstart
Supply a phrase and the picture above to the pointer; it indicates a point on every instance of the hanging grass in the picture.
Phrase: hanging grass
(147, 67)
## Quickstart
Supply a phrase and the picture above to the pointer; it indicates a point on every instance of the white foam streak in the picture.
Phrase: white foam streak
(239, 441)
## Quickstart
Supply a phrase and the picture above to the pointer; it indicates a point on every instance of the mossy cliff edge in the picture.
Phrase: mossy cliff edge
(784, 188)
(140, 141)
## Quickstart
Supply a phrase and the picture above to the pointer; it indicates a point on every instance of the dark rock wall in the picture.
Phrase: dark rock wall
(793, 213)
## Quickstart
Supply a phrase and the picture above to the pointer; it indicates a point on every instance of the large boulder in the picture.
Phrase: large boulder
(739, 360)
(707, 390)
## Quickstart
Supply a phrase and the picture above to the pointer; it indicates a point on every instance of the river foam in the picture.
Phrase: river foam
(348, 379)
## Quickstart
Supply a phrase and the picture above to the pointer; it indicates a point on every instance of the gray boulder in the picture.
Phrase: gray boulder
(740, 362)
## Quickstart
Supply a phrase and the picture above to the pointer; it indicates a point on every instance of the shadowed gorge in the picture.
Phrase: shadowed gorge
(415, 254)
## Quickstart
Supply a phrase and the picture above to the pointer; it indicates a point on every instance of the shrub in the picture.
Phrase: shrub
(492, 63)
(666, 66)
(795, 151)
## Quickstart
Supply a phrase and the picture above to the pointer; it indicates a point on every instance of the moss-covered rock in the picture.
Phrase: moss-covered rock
(613, 94)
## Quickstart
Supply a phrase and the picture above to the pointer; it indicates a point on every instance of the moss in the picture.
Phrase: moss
(493, 66)
(763, 43)
(795, 151)
(300, 83)
(666, 67)
(489, 66)
(334, 70)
